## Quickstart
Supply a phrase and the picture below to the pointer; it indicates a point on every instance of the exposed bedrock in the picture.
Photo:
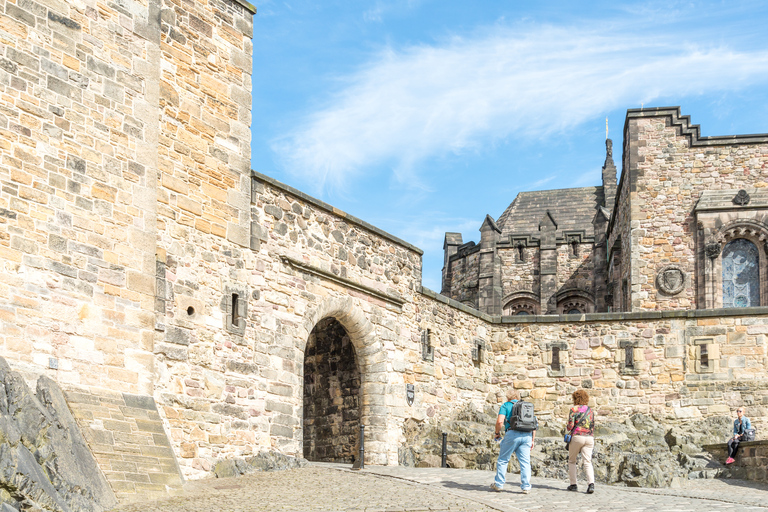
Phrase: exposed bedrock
(45, 463)
(639, 451)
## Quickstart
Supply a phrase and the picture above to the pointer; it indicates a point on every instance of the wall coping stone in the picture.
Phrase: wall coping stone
(247, 5)
(618, 316)
(743, 444)
(335, 211)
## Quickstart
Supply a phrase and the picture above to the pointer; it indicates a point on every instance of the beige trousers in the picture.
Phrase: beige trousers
(583, 445)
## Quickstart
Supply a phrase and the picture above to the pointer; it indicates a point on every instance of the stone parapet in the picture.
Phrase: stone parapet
(332, 210)
(751, 460)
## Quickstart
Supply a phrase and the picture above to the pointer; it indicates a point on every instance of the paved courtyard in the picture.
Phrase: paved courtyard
(332, 487)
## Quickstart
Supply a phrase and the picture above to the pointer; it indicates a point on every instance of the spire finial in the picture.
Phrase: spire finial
(606, 127)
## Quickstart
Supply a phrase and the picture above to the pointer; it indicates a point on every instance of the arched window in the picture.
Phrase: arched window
(573, 311)
(522, 312)
(741, 274)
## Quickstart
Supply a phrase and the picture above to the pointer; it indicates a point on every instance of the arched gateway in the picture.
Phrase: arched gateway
(343, 384)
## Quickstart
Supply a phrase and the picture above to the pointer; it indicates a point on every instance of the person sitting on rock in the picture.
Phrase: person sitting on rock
(740, 426)
(581, 425)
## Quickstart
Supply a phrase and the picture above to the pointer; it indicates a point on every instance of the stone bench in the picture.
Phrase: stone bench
(751, 460)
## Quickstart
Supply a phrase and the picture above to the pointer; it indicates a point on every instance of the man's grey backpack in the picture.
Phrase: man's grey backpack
(522, 417)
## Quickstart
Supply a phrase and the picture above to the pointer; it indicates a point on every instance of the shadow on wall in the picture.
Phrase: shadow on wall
(45, 463)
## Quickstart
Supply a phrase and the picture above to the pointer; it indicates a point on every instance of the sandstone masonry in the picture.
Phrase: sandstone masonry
(196, 311)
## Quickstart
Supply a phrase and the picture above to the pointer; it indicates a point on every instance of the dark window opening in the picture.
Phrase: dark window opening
(555, 358)
(629, 357)
(521, 252)
(427, 351)
(573, 311)
(522, 312)
(235, 310)
(703, 356)
(575, 247)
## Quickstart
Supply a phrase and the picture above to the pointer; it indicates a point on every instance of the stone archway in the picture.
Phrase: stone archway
(331, 395)
(335, 317)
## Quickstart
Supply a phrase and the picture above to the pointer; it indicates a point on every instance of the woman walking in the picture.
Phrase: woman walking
(581, 425)
(740, 426)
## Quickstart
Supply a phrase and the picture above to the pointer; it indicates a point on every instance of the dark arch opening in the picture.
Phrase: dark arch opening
(331, 395)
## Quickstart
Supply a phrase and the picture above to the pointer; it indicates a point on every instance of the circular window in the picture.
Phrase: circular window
(190, 311)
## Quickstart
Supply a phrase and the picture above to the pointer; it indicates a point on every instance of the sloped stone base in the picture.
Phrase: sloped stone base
(127, 438)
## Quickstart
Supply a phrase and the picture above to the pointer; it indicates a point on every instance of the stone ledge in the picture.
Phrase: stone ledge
(334, 211)
(298, 265)
(247, 5)
(745, 444)
(596, 317)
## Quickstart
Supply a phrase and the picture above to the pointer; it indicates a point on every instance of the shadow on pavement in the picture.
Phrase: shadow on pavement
(509, 487)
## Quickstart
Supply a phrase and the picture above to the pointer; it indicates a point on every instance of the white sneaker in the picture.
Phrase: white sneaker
(526, 491)
(495, 488)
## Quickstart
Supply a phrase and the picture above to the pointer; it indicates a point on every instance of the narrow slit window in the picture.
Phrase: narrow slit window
(629, 357)
(520, 252)
(575, 247)
(235, 310)
(555, 358)
(703, 356)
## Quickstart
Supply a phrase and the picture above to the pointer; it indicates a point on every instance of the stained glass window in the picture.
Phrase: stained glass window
(741, 274)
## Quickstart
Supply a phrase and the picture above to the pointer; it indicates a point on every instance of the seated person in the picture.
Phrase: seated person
(740, 426)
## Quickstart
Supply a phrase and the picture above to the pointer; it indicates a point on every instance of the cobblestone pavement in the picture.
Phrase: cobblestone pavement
(331, 487)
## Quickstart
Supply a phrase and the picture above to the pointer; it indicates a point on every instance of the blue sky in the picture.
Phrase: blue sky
(423, 116)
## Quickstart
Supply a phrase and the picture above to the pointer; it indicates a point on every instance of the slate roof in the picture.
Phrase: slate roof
(571, 208)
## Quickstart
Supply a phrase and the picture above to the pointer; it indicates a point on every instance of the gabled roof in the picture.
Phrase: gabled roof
(490, 222)
(572, 209)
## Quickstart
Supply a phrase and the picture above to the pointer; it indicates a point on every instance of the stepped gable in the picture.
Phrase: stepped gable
(572, 209)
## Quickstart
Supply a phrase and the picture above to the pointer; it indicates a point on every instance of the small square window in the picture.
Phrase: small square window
(555, 357)
(706, 355)
(235, 307)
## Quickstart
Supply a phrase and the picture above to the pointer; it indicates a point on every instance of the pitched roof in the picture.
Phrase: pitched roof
(571, 209)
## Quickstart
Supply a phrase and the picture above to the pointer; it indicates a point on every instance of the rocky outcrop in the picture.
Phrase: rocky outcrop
(639, 451)
(264, 461)
(45, 463)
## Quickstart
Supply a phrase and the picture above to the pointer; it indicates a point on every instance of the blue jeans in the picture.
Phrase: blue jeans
(520, 444)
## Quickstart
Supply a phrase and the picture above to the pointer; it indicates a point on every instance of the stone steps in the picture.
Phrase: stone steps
(126, 435)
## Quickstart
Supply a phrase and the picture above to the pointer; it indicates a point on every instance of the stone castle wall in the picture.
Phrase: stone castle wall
(203, 258)
(79, 136)
(575, 272)
(516, 275)
(465, 272)
(669, 166)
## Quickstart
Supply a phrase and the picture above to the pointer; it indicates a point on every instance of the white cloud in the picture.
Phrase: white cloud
(408, 105)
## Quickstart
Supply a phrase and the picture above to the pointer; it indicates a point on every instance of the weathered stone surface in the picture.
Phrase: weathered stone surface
(264, 461)
(639, 452)
(44, 459)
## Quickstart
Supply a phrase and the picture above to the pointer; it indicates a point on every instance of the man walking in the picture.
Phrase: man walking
(518, 441)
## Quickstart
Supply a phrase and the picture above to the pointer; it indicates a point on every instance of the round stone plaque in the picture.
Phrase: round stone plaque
(671, 279)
